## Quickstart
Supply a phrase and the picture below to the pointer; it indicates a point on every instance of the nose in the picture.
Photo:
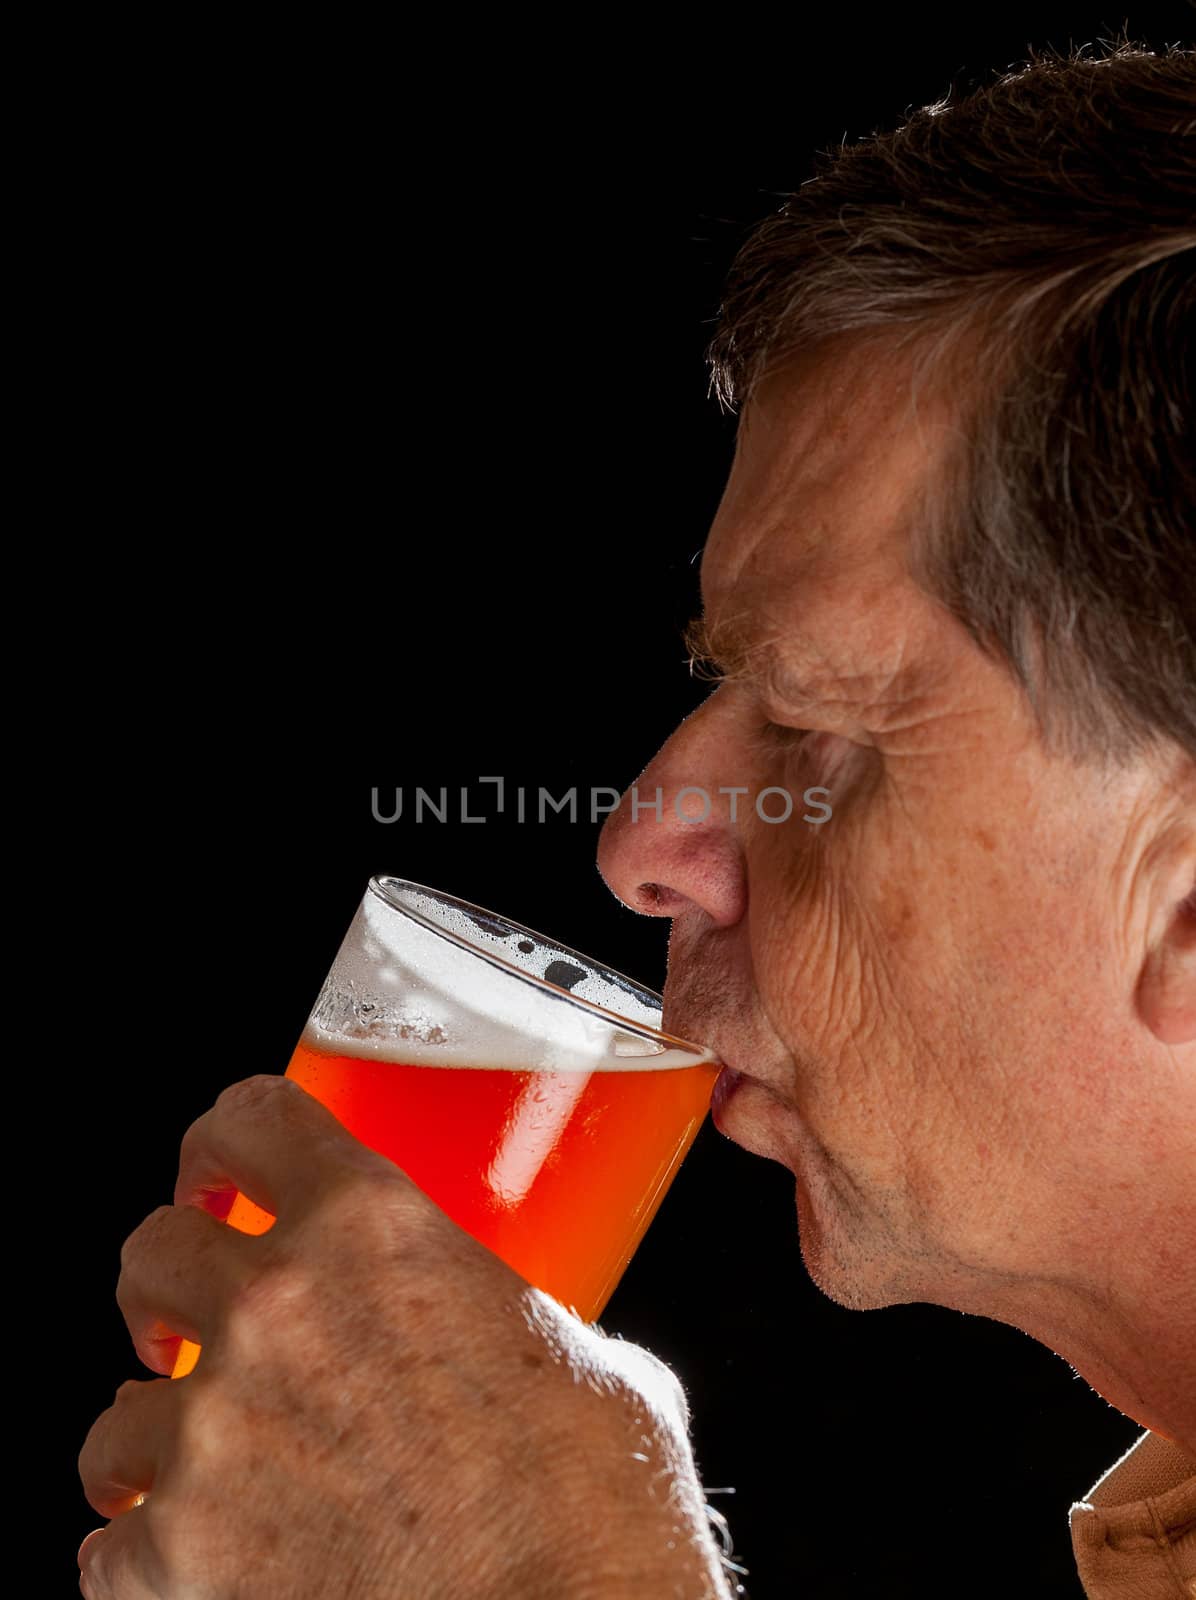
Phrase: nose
(671, 844)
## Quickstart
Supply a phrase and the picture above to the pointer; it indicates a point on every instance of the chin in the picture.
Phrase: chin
(850, 1238)
(848, 1257)
(832, 1269)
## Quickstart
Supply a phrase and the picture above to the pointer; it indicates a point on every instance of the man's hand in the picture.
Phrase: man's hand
(382, 1408)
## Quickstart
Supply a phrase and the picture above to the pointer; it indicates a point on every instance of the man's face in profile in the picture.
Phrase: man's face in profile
(934, 994)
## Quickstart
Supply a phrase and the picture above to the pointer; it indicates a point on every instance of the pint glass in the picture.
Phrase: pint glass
(526, 1089)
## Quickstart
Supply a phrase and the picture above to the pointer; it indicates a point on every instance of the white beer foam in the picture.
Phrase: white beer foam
(399, 991)
(408, 1052)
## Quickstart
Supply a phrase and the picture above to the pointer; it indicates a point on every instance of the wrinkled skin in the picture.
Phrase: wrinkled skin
(381, 1408)
(967, 1008)
(967, 1001)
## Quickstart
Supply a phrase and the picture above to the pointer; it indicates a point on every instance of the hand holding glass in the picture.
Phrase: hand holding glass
(526, 1089)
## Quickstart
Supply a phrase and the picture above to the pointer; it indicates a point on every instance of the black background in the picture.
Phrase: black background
(384, 420)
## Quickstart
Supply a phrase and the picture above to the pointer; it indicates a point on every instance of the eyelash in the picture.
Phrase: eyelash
(775, 738)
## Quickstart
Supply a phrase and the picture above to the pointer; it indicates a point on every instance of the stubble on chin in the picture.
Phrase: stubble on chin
(852, 1244)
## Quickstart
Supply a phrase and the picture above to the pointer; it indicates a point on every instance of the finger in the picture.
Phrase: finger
(269, 1138)
(118, 1562)
(121, 1454)
(179, 1270)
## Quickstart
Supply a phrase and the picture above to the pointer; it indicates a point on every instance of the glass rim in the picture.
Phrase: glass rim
(376, 886)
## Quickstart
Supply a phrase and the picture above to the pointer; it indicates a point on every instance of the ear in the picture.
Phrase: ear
(1166, 995)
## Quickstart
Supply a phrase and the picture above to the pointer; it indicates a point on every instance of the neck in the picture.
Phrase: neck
(1138, 1351)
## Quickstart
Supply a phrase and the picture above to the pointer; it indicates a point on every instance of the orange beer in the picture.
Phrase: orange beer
(554, 1139)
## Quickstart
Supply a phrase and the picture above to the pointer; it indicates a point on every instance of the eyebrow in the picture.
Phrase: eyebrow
(788, 665)
(720, 653)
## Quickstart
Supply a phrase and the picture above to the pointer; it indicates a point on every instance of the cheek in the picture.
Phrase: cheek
(854, 938)
(814, 939)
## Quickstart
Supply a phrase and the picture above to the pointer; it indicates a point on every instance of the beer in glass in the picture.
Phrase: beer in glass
(526, 1089)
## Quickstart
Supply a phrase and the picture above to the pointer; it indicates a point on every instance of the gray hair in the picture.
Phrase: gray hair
(1034, 247)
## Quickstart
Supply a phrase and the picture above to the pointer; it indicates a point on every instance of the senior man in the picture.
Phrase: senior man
(951, 581)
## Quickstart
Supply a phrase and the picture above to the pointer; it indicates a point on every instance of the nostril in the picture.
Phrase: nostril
(659, 899)
(702, 866)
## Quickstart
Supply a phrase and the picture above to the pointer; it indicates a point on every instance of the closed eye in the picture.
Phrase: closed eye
(775, 738)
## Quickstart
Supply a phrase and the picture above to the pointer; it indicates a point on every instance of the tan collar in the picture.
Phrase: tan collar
(1134, 1533)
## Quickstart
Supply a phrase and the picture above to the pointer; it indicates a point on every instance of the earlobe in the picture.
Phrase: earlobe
(1166, 995)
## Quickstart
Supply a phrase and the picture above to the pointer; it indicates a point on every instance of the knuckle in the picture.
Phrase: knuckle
(371, 1204)
(658, 1372)
(666, 1395)
(268, 1301)
(656, 1368)
(89, 1454)
(650, 1378)
(210, 1426)
(364, 1187)
(126, 1393)
(251, 1091)
(104, 1429)
(144, 1234)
